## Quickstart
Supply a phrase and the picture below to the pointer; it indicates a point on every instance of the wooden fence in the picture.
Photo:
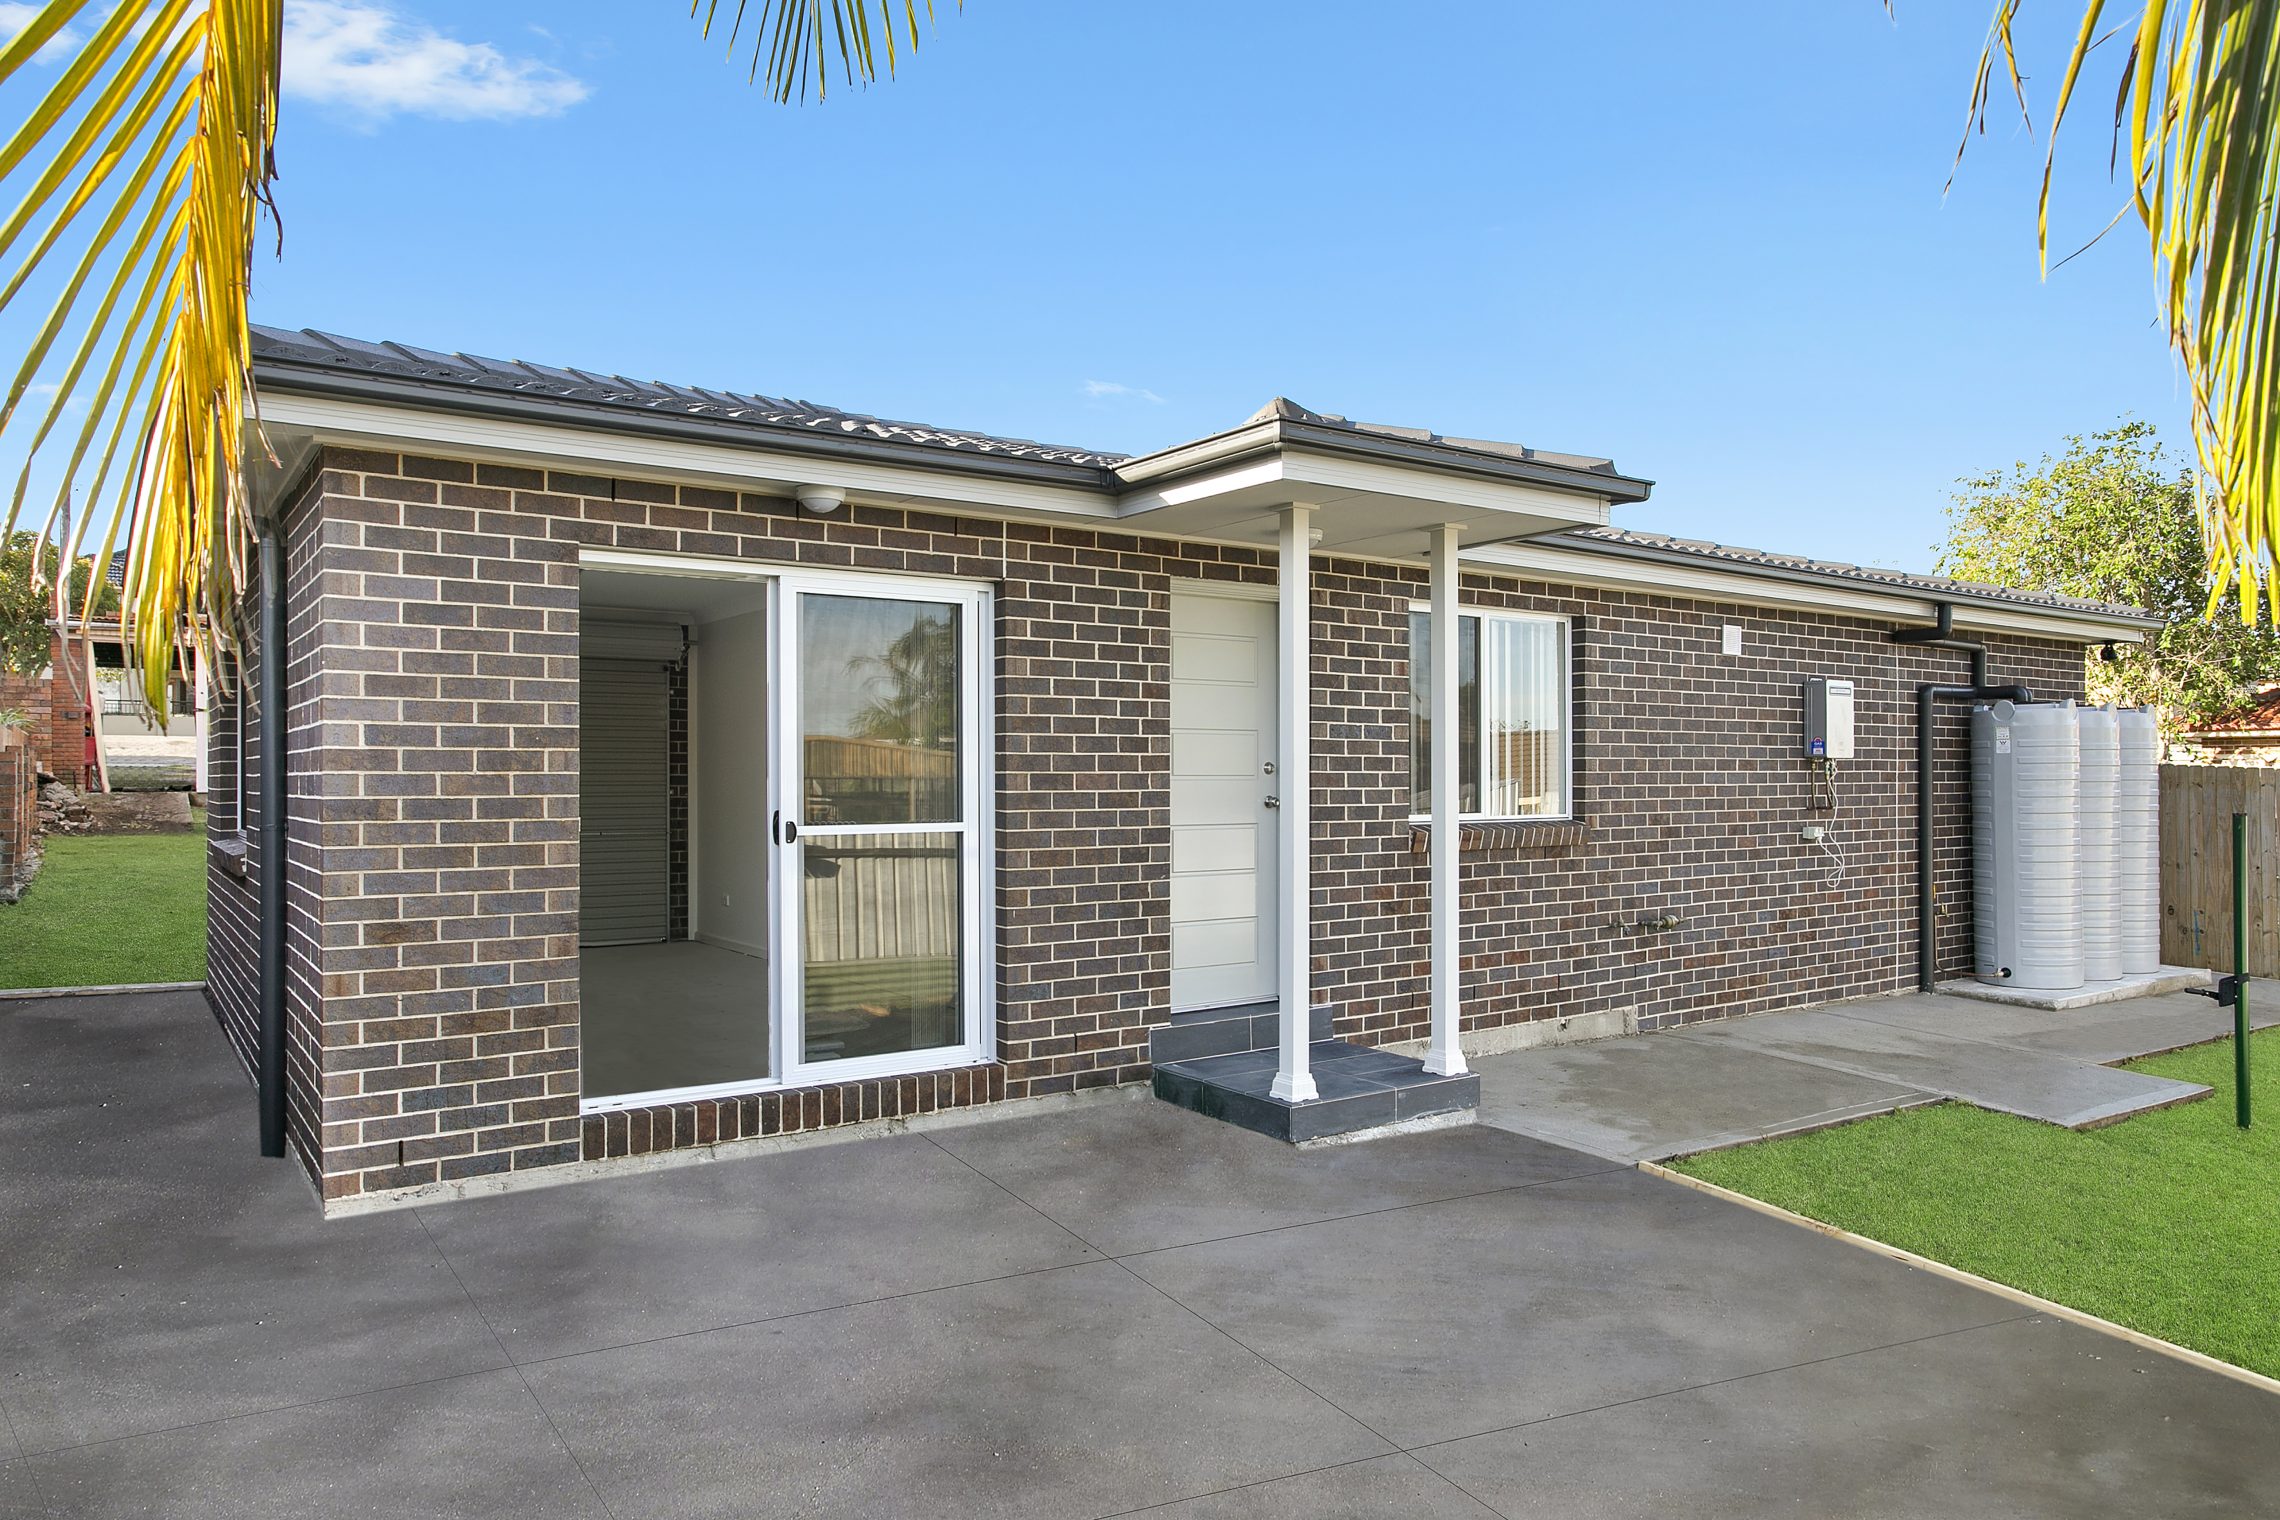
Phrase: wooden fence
(2197, 804)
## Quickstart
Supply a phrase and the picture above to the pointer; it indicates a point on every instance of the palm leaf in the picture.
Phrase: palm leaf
(790, 39)
(147, 160)
(2197, 123)
(152, 149)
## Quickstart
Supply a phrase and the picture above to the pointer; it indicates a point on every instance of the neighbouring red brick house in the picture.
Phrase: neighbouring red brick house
(667, 768)
(55, 713)
(2248, 735)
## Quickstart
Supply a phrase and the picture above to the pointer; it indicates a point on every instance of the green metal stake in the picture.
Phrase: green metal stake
(2240, 969)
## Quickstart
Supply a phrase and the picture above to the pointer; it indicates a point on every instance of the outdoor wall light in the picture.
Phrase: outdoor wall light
(821, 501)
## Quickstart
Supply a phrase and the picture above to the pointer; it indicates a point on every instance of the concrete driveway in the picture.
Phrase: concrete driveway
(1097, 1311)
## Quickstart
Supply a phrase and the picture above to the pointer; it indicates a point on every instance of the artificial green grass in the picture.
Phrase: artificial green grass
(2168, 1223)
(110, 908)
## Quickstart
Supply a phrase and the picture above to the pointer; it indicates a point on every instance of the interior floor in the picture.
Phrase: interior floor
(682, 1014)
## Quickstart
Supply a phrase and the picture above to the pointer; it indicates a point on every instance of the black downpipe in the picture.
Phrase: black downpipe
(1928, 696)
(272, 880)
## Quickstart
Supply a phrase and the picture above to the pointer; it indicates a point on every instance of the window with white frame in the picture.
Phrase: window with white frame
(1513, 715)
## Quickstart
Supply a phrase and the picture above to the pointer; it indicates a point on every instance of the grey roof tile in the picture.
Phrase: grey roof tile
(310, 349)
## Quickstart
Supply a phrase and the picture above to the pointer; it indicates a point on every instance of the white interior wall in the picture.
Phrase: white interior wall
(729, 795)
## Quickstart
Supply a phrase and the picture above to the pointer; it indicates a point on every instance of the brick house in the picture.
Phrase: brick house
(664, 768)
(2248, 735)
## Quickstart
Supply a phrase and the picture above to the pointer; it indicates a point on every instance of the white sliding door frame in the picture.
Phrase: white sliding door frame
(783, 766)
(977, 790)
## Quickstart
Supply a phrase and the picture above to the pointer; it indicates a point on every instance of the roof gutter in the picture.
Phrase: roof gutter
(350, 385)
(1938, 596)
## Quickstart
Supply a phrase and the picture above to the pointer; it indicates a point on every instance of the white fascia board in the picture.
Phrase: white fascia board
(1736, 587)
(753, 467)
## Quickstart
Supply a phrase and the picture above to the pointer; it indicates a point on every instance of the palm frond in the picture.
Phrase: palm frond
(792, 38)
(2197, 122)
(147, 160)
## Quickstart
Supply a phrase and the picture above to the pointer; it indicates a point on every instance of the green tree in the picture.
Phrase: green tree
(2113, 519)
(919, 676)
(27, 599)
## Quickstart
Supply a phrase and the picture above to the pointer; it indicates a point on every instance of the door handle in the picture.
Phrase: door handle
(1274, 802)
(785, 830)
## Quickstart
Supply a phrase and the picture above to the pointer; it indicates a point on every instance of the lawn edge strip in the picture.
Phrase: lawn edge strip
(26, 994)
(2056, 1310)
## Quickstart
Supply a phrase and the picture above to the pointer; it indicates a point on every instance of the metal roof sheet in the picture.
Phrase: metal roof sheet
(1935, 586)
(310, 349)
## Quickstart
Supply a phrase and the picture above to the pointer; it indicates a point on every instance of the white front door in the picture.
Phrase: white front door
(1224, 790)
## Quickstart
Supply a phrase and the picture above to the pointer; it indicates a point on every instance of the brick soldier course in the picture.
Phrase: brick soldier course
(432, 912)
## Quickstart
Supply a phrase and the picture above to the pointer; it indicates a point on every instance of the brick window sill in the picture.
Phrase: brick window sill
(1519, 836)
(229, 854)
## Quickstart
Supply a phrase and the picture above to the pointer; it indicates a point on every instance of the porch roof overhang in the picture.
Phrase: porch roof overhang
(1376, 493)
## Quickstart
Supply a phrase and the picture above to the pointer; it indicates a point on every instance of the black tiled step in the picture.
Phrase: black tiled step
(1360, 1088)
(1223, 1031)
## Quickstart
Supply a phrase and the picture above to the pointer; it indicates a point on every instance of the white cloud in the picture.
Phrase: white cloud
(369, 59)
(16, 15)
(1098, 389)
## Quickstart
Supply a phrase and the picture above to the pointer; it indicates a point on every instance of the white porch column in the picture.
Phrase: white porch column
(1443, 1057)
(1295, 706)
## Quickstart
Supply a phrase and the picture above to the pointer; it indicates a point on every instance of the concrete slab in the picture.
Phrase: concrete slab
(2101, 1034)
(1475, 1314)
(1437, 1286)
(1369, 1490)
(1650, 1098)
(2067, 1423)
(631, 1259)
(2147, 984)
(469, 1446)
(1075, 1392)
(2054, 1089)
(158, 1271)
(20, 1496)
(1145, 1176)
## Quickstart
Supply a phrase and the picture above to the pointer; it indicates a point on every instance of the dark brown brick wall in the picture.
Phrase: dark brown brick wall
(1689, 775)
(233, 823)
(434, 650)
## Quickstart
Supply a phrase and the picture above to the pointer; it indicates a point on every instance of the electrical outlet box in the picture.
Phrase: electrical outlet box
(1812, 833)
(1828, 718)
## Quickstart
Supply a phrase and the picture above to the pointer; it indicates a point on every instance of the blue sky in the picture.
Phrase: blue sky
(1709, 241)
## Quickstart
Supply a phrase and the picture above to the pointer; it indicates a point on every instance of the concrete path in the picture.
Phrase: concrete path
(1108, 1310)
(1652, 1097)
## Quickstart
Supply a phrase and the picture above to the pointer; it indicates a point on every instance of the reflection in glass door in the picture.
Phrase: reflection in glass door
(884, 791)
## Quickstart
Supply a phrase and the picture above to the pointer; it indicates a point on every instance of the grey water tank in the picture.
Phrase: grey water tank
(2137, 841)
(2099, 879)
(2026, 764)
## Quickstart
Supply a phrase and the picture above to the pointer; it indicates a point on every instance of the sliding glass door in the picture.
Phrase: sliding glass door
(879, 825)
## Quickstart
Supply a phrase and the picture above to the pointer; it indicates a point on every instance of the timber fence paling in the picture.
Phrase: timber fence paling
(2197, 805)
